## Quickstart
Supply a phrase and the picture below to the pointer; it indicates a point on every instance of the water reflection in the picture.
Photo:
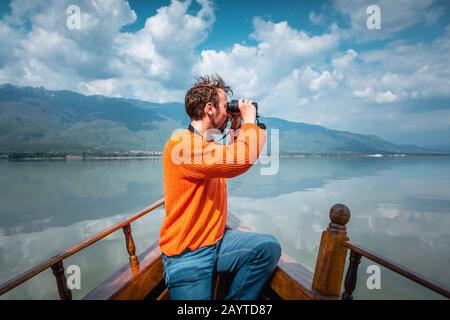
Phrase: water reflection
(39, 195)
(19, 252)
(400, 209)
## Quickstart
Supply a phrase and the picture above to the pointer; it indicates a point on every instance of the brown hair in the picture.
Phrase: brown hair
(203, 91)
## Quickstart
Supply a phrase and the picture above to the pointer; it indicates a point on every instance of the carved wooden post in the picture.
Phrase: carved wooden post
(58, 271)
(331, 258)
(352, 276)
(134, 263)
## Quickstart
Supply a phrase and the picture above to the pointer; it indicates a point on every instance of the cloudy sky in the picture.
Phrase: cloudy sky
(306, 61)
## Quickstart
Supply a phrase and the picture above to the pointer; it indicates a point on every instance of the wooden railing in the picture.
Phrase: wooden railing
(331, 260)
(56, 262)
(290, 281)
(356, 252)
(331, 257)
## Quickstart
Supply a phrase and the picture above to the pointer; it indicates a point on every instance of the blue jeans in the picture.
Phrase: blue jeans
(251, 257)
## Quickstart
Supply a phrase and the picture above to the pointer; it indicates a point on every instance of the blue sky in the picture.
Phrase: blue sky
(305, 61)
(234, 18)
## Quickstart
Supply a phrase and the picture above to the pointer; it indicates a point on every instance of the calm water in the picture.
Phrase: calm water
(400, 209)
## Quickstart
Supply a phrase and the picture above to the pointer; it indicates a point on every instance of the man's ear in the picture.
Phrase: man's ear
(209, 109)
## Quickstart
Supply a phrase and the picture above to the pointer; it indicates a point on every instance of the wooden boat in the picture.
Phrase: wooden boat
(142, 278)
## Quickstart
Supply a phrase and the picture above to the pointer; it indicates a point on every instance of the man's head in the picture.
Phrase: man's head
(207, 100)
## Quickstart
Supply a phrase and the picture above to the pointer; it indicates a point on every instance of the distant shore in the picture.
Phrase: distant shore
(158, 155)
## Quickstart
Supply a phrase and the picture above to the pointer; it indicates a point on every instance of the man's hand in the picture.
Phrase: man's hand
(236, 121)
(248, 111)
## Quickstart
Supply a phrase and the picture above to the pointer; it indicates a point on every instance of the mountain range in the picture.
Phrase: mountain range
(40, 120)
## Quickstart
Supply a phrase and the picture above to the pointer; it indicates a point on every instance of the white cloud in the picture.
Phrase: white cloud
(366, 93)
(169, 39)
(153, 63)
(49, 53)
(316, 18)
(386, 97)
(254, 70)
(378, 97)
(277, 38)
(324, 80)
(101, 87)
(407, 70)
(344, 61)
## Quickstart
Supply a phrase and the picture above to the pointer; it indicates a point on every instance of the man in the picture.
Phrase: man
(193, 239)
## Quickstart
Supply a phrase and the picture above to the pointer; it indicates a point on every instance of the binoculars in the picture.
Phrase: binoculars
(232, 107)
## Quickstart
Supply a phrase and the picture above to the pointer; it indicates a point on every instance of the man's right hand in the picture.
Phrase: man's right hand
(248, 111)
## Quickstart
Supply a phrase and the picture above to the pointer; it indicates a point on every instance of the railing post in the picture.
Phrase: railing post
(351, 276)
(134, 263)
(331, 257)
(58, 271)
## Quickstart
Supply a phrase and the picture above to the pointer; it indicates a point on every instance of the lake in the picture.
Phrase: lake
(400, 209)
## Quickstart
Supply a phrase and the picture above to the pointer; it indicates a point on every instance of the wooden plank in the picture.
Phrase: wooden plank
(130, 283)
(164, 295)
(292, 281)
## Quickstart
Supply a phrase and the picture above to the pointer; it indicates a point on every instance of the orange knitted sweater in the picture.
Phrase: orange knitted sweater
(195, 190)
